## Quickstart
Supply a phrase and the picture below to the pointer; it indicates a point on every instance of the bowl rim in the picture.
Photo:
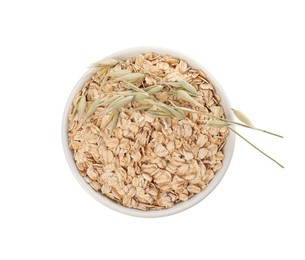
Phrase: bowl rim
(181, 206)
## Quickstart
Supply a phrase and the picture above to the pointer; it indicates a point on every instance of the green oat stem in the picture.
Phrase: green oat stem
(253, 128)
(185, 108)
(239, 124)
(255, 147)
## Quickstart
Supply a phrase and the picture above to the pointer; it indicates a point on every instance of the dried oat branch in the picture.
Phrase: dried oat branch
(253, 128)
(255, 147)
(182, 89)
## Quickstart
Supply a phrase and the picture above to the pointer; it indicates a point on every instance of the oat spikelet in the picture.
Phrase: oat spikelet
(186, 97)
(81, 106)
(190, 88)
(108, 120)
(139, 96)
(119, 73)
(125, 93)
(92, 108)
(117, 104)
(115, 120)
(105, 63)
(131, 78)
(135, 88)
(172, 84)
(144, 107)
(183, 85)
(176, 113)
(242, 117)
(154, 89)
(111, 99)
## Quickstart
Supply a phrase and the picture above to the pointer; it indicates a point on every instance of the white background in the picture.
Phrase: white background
(255, 49)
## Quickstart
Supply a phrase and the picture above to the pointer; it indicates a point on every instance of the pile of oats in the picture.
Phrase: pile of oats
(145, 161)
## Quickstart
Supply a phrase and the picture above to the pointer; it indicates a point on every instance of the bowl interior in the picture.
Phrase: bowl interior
(181, 206)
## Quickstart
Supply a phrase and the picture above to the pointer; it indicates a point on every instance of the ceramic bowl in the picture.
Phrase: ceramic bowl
(181, 206)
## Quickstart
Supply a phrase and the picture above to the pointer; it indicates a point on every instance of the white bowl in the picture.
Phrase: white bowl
(181, 206)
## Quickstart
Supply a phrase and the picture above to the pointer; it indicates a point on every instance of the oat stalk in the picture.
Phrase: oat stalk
(228, 121)
(253, 128)
(255, 147)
